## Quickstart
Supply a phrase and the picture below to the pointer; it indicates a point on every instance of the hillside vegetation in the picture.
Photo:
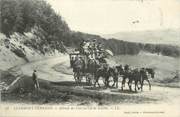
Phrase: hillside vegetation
(50, 32)
(26, 15)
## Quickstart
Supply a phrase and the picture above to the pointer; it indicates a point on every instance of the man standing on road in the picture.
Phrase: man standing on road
(35, 81)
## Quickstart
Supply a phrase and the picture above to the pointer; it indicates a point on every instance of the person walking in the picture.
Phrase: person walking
(35, 80)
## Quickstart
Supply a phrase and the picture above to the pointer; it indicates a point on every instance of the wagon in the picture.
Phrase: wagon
(78, 75)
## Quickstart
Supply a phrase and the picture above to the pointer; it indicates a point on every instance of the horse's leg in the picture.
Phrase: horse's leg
(123, 83)
(142, 83)
(116, 80)
(136, 84)
(87, 79)
(129, 84)
(113, 84)
(149, 84)
(106, 82)
(80, 79)
(95, 81)
(76, 78)
(98, 84)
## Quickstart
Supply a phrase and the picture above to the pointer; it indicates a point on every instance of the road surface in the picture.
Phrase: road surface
(166, 99)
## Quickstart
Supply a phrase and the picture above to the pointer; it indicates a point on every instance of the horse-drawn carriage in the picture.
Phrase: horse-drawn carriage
(85, 66)
(93, 67)
(79, 64)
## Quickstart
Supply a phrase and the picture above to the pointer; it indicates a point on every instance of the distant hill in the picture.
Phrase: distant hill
(168, 36)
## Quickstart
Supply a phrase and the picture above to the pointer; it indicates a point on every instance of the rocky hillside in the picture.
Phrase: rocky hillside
(34, 24)
(14, 51)
(29, 30)
(24, 16)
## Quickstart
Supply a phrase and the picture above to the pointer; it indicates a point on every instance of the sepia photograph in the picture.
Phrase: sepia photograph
(97, 58)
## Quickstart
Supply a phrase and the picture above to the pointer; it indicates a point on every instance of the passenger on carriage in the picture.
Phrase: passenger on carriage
(81, 49)
(91, 48)
(99, 46)
(86, 47)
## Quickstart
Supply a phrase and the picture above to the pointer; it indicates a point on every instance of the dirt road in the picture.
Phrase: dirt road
(164, 99)
(46, 72)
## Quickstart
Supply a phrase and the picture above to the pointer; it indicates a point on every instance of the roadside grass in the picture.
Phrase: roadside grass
(59, 93)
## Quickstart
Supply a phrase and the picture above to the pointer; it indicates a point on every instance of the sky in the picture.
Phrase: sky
(112, 16)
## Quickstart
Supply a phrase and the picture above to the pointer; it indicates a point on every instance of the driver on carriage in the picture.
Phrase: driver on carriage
(85, 47)
(126, 68)
(81, 49)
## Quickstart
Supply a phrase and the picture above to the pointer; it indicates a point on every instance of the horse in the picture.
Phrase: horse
(102, 71)
(92, 67)
(113, 72)
(78, 69)
(135, 76)
(145, 72)
(120, 70)
(106, 72)
(131, 75)
(138, 76)
(126, 74)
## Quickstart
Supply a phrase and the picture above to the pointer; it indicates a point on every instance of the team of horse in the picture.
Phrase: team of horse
(99, 70)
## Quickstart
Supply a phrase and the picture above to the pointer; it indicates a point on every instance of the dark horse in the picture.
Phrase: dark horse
(92, 67)
(106, 72)
(139, 76)
(78, 69)
(145, 72)
(97, 70)
(126, 74)
(113, 72)
(101, 72)
(135, 76)
(120, 71)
